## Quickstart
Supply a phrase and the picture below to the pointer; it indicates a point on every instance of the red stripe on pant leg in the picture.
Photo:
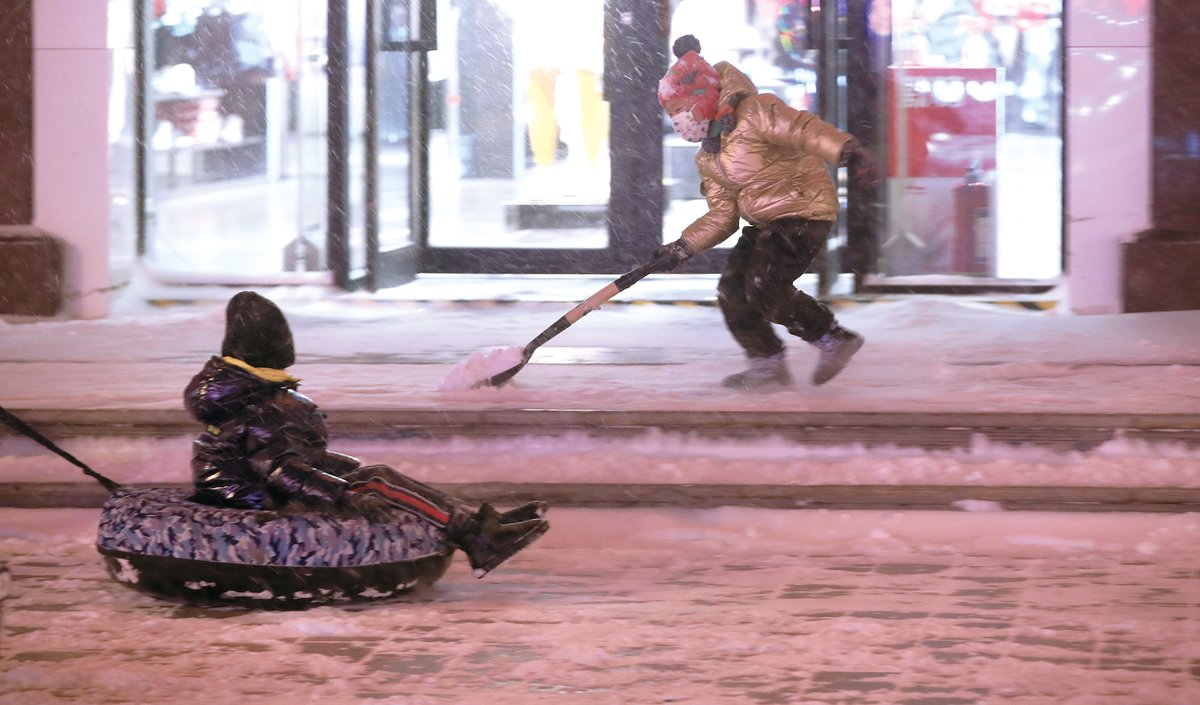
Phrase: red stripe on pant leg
(404, 497)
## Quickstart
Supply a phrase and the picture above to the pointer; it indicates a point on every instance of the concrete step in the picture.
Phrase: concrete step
(768, 496)
(933, 431)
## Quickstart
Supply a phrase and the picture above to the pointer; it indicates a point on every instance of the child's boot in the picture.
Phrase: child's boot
(837, 347)
(763, 371)
(488, 541)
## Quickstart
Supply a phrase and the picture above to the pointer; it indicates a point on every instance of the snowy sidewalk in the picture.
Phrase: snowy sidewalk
(614, 607)
(357, 352)
(727, 604)
(946, 392)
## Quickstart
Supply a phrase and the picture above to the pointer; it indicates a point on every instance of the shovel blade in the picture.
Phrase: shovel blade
(497, 380)
(500, 378)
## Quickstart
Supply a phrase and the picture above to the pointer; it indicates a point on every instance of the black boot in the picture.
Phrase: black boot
(526, 512)
(488, 541)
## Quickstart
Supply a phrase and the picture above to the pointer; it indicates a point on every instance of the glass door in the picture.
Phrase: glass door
(502, 118)
(522, 127)
(396, 137)
(233, 150)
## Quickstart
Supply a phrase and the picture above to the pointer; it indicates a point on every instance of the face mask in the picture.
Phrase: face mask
(689, 127)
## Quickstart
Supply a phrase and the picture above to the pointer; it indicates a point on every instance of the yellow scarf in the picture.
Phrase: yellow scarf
(270, 374)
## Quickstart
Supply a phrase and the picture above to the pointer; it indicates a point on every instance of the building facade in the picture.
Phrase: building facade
(127, 155)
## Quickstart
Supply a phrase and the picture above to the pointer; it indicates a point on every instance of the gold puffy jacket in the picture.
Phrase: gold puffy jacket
(772, 165)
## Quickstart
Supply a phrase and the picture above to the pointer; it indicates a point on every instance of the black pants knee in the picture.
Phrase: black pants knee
(758, 288)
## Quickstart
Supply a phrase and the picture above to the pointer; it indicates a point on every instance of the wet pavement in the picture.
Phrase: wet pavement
(727, 605)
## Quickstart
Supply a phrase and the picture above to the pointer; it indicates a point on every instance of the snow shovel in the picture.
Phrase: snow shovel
(592, 303)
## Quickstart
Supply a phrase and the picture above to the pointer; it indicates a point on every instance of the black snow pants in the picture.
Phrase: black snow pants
(757, 287)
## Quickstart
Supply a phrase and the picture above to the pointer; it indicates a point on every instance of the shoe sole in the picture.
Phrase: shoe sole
(738, 381)
(513, 549)
(787, 382)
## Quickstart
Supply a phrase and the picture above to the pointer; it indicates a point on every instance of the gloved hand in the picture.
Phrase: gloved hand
(861, 163)
(672, 256)
(293, 480)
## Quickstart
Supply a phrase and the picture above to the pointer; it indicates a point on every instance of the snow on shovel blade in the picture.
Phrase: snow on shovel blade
(499, 379)
(484, 369)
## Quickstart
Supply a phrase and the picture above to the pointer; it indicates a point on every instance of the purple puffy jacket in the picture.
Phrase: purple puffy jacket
(265, 443)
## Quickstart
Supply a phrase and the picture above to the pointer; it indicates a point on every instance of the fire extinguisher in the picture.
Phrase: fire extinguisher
(974, 227)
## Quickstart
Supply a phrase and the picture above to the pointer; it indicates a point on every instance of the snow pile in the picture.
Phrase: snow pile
(653, 457)
(477, 369)
(931, 355)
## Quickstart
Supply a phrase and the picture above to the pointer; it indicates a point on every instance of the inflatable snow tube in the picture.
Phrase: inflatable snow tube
(157, 541)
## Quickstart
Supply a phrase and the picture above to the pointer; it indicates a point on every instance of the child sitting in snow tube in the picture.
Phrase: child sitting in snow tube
(263, 459)
(265, 447)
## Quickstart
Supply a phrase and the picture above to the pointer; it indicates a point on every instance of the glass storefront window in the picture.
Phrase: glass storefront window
(975, 140)
(514, 100)
(235, 168)
(519, 132)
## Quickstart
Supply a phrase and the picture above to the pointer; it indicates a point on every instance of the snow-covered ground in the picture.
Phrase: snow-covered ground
(361, 351)
(729, 605)
(657, 606)
(382, 352)
(655, 458)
